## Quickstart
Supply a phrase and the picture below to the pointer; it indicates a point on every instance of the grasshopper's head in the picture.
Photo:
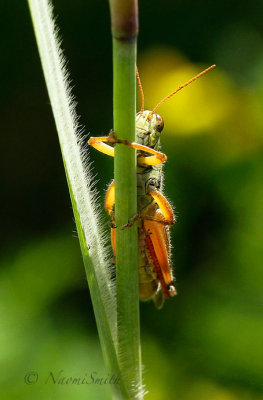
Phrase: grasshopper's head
(148, 129)
(149, 125)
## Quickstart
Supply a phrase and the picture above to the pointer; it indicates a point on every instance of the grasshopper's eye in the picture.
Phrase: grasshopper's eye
(159, 123)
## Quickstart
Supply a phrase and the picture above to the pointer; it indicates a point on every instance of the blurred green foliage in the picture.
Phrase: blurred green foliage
(207, 343)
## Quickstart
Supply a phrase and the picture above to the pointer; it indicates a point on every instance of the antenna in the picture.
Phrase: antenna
(140, 87)
(181, 87)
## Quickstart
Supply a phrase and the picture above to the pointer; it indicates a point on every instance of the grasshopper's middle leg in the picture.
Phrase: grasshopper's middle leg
(109, 204)
(110, 199)
(166, 215)
(164, 206)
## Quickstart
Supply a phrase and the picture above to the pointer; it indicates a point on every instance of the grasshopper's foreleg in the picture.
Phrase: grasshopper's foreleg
(99, 143)
(156, 158)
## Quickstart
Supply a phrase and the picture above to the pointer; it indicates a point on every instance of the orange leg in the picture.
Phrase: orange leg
(110, 198)
(109, 203)
(164, 206)
(156, 158)
(113, 240)
(99, 143)
(166, 217)
(158, 246)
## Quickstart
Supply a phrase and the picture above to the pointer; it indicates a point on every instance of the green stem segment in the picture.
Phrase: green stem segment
(124, 31)
(125, 208)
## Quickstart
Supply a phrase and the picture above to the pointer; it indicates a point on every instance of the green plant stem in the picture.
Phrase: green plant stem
(124, 31)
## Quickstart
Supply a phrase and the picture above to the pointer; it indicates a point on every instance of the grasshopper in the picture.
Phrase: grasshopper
(155, 213)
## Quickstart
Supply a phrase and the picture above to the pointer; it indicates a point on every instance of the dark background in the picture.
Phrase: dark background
(206, 343)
